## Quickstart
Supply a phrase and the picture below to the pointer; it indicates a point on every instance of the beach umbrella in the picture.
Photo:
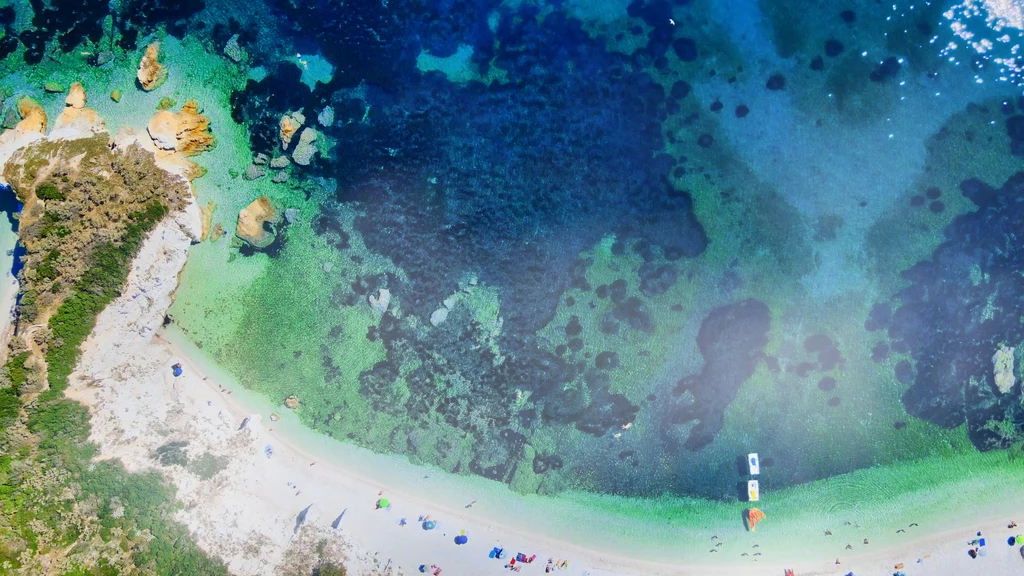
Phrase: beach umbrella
(753, 517)
(461, 539)
(429, 525)
(383, 503)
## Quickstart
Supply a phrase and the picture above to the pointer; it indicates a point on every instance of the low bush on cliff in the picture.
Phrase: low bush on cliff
(99, 285)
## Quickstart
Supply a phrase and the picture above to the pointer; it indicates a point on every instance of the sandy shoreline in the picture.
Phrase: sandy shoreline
(271, 506)
(248, 512)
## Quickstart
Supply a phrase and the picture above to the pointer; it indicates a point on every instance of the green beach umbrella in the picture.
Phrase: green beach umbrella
(383, 503)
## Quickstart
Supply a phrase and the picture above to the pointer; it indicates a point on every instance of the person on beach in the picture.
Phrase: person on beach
(470, 505)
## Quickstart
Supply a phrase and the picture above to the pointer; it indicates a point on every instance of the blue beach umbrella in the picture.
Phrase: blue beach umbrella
(461, 539)
(429, 525)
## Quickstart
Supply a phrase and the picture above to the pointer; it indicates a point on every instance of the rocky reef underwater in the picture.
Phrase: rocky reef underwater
(584, 245)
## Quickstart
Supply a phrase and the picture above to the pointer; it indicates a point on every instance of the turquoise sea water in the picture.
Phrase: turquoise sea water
(600, 251)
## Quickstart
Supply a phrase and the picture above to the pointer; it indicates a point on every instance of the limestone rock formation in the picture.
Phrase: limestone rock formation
(30, 128)
(280, 162)
(193, 130)
(252, 219)
(33, 117)
(289, 126)
(76, 96)
(304, 150)
(207, 214)
(163, 129)
(1003, 375)
(77, 121)
(291, 402)
(174, 137)
(151, 72)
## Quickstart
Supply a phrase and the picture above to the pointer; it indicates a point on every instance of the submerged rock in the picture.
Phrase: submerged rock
(381, 301)
(326, 117)
(252, 221)
(233, 50)
(305, 149)
(280, 162)
(1003, 376)
(291, 402)
(254, 172)
(439, 316)
(151, 72)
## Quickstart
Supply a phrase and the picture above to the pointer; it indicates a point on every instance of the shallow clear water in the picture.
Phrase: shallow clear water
(623, 245)
(605, 247)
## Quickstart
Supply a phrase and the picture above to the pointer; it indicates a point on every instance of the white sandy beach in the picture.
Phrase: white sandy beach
(248, 513)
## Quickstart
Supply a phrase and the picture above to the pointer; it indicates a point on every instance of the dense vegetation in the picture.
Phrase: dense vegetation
(70, 213)
(57, 507)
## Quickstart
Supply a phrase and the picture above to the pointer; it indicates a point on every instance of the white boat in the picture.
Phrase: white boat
(754, 463)
(753, 491)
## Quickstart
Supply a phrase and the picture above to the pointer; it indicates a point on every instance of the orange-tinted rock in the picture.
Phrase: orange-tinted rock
(193, 130)
(251, 219)
(33, 117)
(77, 120)
(207, 214)
(76, 96)
(289, 126)
(151, 72)
(163, 129)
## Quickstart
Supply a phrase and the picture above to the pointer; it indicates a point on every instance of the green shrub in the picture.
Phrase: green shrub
(99, 285)
(49, 191)
(172, 453)
(330, 569)
(161, 546)
(205, 466)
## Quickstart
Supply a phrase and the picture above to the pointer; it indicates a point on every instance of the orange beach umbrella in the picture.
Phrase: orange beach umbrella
(753, 517)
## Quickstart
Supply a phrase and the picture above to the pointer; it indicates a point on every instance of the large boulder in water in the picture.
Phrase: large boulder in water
(254, 221)
(151, 72)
